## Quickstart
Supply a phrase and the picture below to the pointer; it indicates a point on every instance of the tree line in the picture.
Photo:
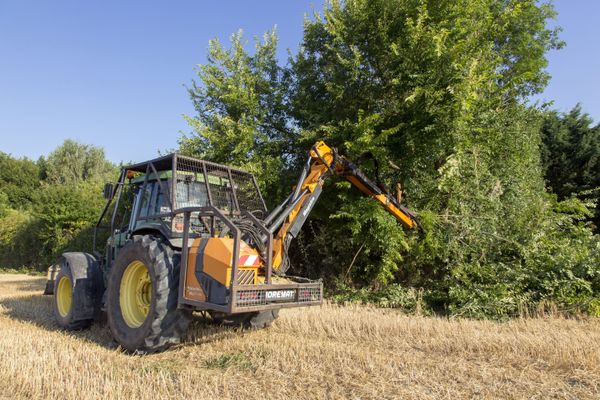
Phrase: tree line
(50, 205)
(437, 92)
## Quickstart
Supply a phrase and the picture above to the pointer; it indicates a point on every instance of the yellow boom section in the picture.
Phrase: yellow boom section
(324, 159)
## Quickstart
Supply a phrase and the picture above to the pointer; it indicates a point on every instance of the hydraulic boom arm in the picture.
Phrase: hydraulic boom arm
(286, 220)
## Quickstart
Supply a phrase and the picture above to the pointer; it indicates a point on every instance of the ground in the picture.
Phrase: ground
(326, 352)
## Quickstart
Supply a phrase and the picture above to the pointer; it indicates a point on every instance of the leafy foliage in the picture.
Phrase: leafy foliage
(434, 88)
(73, 162)
(409, 300)
(66, 216)
(50, 206)
(19, 181)
(18, 239)
(241, 118)
(571, 155)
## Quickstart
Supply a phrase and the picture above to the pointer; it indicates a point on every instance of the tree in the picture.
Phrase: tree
(50, 206)
(4, 206)
(71, 199)
(434, 88)
(65, 218)
(73, 162)
(19, 194)
(571, 155)
(19, 181)
(241, 116)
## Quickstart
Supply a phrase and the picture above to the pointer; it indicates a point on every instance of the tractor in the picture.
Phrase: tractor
(179, 235)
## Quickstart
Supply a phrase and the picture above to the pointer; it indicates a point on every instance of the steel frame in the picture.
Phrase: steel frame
(171, 162)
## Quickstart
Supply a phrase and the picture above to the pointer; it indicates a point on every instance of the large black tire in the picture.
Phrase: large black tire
(164, 324)
(65, 286)
(250, 320)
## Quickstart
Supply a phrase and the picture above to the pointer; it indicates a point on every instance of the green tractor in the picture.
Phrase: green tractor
(166, 221)
(179, 235)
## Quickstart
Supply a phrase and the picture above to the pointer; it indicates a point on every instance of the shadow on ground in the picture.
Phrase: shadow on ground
(28, 285)
(36, 308)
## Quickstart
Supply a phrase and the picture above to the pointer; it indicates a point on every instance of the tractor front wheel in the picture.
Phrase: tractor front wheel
(142, 296)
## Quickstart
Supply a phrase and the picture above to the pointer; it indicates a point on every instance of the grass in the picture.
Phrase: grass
(327, 352)
(22, 270)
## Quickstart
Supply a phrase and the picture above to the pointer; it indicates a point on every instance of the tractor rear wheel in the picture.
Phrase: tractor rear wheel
(142, 296)
(66, 298)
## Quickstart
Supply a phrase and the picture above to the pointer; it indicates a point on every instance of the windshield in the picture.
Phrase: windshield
(191, 194)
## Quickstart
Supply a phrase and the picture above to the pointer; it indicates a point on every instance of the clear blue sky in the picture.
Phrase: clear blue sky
(575, 69)
(112, 73)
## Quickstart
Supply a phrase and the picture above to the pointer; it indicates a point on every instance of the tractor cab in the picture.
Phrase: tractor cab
(152, 200)
(147, 196)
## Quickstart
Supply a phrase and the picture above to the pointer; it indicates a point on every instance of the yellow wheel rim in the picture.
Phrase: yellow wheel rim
(136, 294)
(64, 296)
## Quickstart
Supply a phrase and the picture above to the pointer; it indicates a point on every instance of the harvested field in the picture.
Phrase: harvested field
(322, 352)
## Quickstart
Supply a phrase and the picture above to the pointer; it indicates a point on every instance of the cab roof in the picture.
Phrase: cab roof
(166, 163)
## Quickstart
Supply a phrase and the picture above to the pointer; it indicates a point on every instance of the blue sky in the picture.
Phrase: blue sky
(113, 73)
(575, 69)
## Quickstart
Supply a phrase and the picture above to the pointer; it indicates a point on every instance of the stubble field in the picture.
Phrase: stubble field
(326, 352)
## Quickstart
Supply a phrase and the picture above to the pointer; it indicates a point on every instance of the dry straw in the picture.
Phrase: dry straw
(325, 352)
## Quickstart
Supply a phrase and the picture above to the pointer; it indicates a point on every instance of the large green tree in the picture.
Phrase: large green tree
(73, 162)
(241, 115)
(434, 90)
(50, 206)
(434, 87)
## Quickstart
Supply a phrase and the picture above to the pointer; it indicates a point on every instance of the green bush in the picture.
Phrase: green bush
(409, 300)
(67, 214)
(50, 206)
(19, 245)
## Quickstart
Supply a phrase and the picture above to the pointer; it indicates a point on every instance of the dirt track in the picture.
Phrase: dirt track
(323, 352)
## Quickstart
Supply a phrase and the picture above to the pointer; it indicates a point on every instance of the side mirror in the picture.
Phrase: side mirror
(108, 191)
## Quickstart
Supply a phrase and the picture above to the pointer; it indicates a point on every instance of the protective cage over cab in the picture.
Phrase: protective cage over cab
(214, 215)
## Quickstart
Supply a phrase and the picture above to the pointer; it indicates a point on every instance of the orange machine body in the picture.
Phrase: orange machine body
(210, 266)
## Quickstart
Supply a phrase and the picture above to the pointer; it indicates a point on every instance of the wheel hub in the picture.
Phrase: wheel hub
(64, 296)
(136, 294)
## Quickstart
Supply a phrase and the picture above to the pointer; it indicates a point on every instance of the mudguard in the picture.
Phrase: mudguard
(88, 283)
